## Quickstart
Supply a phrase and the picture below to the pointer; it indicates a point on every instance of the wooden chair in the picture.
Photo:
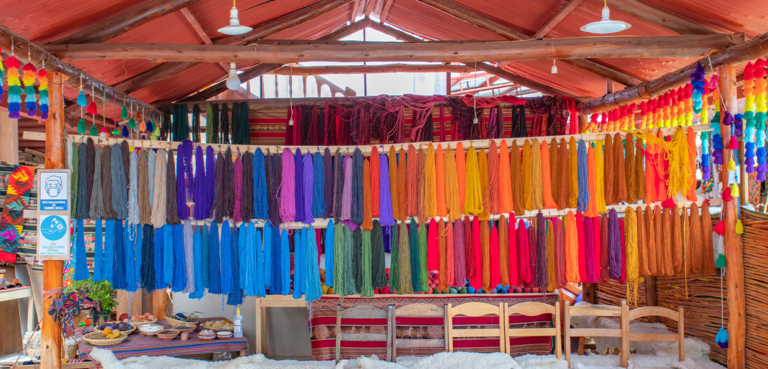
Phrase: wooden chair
(599, 311)
(533, 309)
(416, 311)
(475, 309)
(641, 312)
(361, 312)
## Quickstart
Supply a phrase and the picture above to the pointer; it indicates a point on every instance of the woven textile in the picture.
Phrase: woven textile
(16, 200)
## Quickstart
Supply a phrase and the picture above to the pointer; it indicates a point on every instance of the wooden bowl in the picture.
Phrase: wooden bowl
(167, 334)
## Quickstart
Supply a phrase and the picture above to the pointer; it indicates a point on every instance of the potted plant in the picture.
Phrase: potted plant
(100, 292)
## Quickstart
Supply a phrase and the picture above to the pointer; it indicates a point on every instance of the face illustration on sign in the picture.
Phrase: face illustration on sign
(53, 186)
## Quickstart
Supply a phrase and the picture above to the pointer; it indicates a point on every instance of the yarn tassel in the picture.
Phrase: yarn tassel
(81, 261)
(350, 268)
(405, 284)
(309, 181)
(414, 239)
(461, 174)
(357, 209)
(527, 174)
(226, 258)
(235, 296)
(214, 261)
(159, 254)
(550, 255)
(473, 201)
(523, 254)
(179, 280)
(459, 259)
(518, 202)
(287, 188)
(537, 181)
(386, 201)
(375, 173)
(260, 202)
(367, 224)
(572, 249)
(366, 264)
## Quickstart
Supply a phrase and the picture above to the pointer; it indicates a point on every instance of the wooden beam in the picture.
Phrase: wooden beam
(221, 86)
(504, 30)
(564, 12)
(355, 10)
(605, 71)
(740, 53)
(200, 32)
(522, 81)
(660, 18)
(385, 11)
(570, 48)
(734, 269)
(125, 21)
(50, 339)
(54, 64)
(486, 88)
(369, 8)
(372, 69)
(396, 33)
(168, 70)
(289, 20)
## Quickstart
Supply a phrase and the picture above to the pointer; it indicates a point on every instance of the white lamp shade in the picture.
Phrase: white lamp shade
(234, 28)
(606, 25)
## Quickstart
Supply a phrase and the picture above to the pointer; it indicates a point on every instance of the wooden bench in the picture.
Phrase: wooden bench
(533, 309)
(416, 311)
(598, 311)
(476, 309)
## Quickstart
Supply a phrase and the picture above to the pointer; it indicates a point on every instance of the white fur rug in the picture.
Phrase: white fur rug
(456, 360)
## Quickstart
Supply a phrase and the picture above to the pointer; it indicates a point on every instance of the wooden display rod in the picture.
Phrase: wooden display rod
(690, 46)
(366, 149)
(372, 69)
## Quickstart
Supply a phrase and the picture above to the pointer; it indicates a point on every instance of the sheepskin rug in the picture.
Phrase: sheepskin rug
(444, 360)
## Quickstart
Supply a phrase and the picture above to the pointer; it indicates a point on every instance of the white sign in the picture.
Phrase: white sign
(53, 236)
(54, 191)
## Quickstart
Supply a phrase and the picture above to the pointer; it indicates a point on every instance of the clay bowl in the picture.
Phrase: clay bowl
(167, 334)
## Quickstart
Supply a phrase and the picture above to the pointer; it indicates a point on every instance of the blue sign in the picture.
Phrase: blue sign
(54, 191)
(53, 228)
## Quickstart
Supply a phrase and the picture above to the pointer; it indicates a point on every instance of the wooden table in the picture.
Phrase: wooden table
(138, 344)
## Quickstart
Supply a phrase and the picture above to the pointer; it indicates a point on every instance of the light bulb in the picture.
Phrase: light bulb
(475, 121)
(233, 81)
(554, 67)
(234, 28)
(290, 121)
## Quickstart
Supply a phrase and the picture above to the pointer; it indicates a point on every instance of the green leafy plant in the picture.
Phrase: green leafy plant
(100, 292)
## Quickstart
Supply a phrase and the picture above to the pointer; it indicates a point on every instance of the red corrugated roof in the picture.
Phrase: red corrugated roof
(49, 20)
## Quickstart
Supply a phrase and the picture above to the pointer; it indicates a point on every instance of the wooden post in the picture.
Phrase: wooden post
(258, 338)
(650, 296)
(50, 342)
(733, 248)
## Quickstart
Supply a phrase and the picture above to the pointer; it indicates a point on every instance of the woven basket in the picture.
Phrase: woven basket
(140, 323)
(217, 330)
(128, 331)
(92, 339)
(175, 323)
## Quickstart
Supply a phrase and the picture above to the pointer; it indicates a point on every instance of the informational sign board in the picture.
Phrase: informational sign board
(53, 230)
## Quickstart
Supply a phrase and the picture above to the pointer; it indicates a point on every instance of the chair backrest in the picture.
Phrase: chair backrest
(419, 310)
(678, 316)
(597, 311)
(533, 309)
(476, 309)
(361, 312)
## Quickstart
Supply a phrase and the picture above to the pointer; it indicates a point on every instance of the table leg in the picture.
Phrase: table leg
(264, 330)
(30, 314)
(259, 337)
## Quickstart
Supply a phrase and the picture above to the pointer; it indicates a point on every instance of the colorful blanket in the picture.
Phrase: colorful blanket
(16, 200)
(322, 321)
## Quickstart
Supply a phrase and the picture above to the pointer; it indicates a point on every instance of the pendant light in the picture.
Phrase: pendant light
(233, 81)
(605, 25)
(554, 66)
(234, 28)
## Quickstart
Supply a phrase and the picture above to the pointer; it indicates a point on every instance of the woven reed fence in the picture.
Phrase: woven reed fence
(755, 243)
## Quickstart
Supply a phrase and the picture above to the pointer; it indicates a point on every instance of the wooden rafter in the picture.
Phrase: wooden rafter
(564, 12)
(349, 29)
(743, 52)
(385, 11)
(660, 18)
(485, 88)
(369, 8)
(260, 69)
(125, 21)
(355, 10)
(200, 31)
(504, 30)
(570, 48)
(372, 69)
(168, 70)
(54, 64)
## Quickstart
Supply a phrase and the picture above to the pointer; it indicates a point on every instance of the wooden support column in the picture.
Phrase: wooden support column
(733, 247)
(50, 342)
(650, 296)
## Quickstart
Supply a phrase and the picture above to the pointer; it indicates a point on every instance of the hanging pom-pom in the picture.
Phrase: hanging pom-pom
(28, 78)
(125, 131)
(150, 126)
(668, 203)
(720, 262)
(726, 195)
(722, 338)
(93, 132)
(132, 123)
(124, 113)
(738, 124)
(734, 190)
(142, 126)
(92, 109)
(81, 127)
(14, 87)
(42, 92)
(81, 99)
(104, 133)
(731, 164)
(719, 228)
(733, 144)
(739, 227)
